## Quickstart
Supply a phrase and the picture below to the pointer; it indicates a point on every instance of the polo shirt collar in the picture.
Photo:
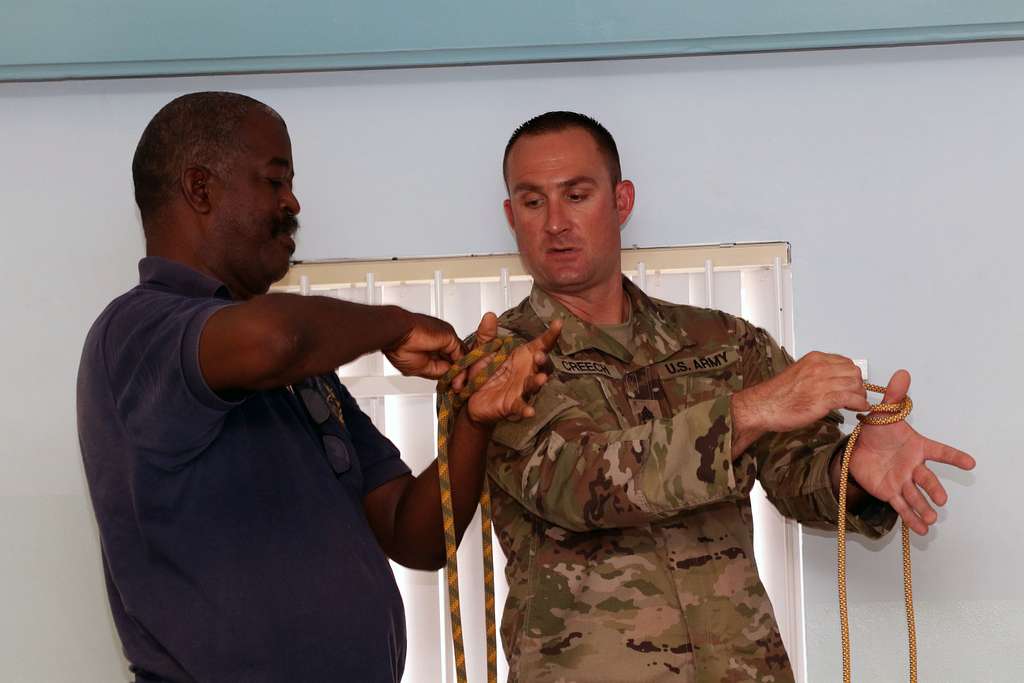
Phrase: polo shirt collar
(162, 273)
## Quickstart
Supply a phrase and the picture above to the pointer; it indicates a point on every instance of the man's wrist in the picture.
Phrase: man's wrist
(746, 428)
(400, 322)
(856, 497)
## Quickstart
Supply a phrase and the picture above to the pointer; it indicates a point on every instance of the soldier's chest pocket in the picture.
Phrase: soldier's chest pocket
(597, 396)
(686, 384)
(704, 387)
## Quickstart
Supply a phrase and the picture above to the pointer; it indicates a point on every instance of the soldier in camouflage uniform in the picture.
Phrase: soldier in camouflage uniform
(622, 504)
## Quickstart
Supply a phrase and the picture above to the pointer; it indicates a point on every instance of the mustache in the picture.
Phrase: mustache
(286, 224)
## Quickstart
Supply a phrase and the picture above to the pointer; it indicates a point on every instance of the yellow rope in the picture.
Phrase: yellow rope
(448, 404)
(880, 414)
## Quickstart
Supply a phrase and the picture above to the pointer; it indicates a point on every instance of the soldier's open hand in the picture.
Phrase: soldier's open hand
(506, 394)
(889, 463)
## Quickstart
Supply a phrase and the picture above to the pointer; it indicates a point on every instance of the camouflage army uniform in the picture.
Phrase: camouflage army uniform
(626, 521)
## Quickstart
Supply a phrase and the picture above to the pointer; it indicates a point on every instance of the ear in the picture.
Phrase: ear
(195, 187)
(625, 196)
(508, 215)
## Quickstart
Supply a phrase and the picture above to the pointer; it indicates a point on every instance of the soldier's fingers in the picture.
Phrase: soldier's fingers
(476, 368)
(927, 480)
(940, 452)
(546, 341)
(850, 382)
(487, 330)
(915, 500)
(519, 408)
(856, 373)
(908, 516)
(899, 385)
(534, 383)
(828, 358)
(850, 400)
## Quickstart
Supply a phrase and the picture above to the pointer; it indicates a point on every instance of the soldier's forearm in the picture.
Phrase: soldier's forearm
(581, 479)
(745, 430)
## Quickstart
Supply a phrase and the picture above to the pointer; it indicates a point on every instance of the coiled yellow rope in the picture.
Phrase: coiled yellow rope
(879, 414)
(449, 403)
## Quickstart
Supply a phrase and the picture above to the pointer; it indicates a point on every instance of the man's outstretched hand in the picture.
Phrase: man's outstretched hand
(506, 394)
(889, 462)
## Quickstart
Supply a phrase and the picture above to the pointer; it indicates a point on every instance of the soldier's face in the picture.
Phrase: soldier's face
(565, 211)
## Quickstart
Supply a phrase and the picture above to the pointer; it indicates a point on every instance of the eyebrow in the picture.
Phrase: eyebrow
(575, 180)
(283, 163)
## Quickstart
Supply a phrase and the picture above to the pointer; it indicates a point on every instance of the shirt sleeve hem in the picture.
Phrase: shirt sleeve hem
(190, 366)
(382, 472)
(874, 520)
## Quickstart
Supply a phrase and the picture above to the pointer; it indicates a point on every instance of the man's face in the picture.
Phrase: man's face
(254, 222)
(565, 211)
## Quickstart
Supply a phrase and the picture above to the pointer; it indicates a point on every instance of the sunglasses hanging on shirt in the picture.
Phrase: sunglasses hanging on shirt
(321, 403)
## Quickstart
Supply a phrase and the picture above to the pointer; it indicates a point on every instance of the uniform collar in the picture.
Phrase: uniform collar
(655, 338)
(174, 276)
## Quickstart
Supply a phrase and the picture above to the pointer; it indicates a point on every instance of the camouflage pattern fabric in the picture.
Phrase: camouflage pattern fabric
(623, 514)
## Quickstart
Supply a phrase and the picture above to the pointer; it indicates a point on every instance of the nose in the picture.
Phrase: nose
(557, 220)
(290, 203)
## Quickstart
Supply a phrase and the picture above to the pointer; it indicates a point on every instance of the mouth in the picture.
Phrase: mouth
(284, 229)
(561, 251)
(286, 224)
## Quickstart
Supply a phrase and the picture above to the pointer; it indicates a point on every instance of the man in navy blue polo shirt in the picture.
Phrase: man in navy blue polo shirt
(247, 508)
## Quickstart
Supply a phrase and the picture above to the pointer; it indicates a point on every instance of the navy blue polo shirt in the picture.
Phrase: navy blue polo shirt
(233, 549)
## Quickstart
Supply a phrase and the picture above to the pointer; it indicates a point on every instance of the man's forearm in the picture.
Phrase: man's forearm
(332, 332)
(277, 339)
(746, 430)
(418, 540)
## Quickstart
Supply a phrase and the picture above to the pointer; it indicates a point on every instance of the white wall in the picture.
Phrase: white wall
(894, 173)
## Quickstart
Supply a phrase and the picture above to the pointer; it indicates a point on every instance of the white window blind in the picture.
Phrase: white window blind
(749, 280)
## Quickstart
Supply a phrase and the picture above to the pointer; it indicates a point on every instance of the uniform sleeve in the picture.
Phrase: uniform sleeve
(794, 467)
(151, 351)
(561, 467)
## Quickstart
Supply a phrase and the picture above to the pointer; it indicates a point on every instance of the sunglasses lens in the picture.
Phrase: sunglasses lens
(337, 454)
(315, 404)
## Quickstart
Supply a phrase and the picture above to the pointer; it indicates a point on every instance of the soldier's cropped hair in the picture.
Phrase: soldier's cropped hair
(198, 129)
(557, 121)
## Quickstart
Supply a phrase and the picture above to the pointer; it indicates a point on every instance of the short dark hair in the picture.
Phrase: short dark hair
(557, 121)
(195, 129)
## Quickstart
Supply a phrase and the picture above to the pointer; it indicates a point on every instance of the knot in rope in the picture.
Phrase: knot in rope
(449, 402)
(878, 414)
